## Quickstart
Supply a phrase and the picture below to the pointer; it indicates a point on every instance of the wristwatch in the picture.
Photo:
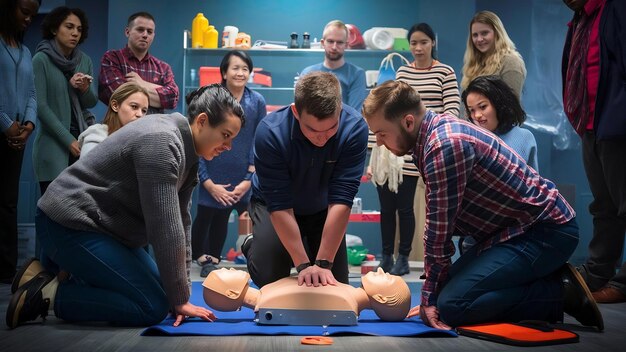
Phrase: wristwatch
(324, 264)
(302, 266)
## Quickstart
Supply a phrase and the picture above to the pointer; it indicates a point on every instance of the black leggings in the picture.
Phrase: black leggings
(210, 228)
(402, 203)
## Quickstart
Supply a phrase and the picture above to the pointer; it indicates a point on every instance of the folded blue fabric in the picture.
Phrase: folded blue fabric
(241, 323)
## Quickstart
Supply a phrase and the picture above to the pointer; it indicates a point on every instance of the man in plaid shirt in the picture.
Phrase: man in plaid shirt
(134, 64)
(477, 186)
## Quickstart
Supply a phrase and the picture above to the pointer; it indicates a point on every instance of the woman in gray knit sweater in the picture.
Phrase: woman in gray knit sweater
(96, 217)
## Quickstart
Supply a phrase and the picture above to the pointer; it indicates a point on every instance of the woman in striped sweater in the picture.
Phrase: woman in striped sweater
(396, 177)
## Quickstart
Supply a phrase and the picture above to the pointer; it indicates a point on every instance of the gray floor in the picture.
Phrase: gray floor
(56, 335)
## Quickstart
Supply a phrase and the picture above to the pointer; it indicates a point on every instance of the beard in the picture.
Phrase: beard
(334, 57)
(405, 142)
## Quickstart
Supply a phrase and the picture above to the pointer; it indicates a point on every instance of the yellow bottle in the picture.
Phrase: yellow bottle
(198, 26)
(209, 39)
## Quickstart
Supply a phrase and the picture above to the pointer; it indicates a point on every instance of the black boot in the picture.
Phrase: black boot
(401, 267)
(386, 263)
(577, 299)
(27, 303)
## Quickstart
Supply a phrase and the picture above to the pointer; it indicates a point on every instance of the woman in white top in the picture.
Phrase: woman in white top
(128, 103)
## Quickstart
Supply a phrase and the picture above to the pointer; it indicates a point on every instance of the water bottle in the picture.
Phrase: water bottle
(193, 77)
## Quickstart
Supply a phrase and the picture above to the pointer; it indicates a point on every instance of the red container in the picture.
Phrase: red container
(209, 75)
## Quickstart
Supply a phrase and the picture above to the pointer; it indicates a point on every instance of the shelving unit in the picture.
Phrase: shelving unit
(283, 64)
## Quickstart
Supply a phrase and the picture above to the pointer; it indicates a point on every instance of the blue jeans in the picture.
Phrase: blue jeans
(511, 281)
(109, 281)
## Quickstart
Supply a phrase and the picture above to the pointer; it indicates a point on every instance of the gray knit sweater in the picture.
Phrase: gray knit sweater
(136, 186)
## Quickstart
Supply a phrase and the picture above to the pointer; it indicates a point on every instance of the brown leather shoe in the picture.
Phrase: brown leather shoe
(609, 294)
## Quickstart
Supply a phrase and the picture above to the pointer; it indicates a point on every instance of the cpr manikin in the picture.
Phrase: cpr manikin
(285, 302)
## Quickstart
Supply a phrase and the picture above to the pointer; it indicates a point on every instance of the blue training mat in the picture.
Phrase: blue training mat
(241, 323)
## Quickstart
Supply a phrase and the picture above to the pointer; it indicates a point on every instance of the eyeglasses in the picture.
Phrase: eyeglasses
(333, 42)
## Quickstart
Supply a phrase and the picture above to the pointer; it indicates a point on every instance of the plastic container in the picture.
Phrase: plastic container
(209, 75)
(198, 26)
(229, 35)
(378, 39)
(209, 38)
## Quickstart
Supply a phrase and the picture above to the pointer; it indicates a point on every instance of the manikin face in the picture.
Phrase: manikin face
(317, 131)
(212, 141)
(224, 289)
(237, 74)
(482, 112)
(134, 107)
(483, 37)
(140, 34)
(24, 13)
(397, 136)
(68, 34)
(389, 294)
(334, 43)
(421, 46)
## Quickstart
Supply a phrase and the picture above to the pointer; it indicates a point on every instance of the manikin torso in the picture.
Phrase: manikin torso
(388, 295)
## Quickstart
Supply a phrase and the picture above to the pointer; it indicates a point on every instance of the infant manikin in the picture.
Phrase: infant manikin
(284, 302)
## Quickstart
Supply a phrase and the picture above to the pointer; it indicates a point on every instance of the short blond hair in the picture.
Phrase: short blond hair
(318, 93)
(394, 99)
(335, 24)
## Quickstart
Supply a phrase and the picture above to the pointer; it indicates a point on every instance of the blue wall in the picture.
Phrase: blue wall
(536, 26)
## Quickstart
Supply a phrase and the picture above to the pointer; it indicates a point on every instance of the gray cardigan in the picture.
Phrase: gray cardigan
(136, 186)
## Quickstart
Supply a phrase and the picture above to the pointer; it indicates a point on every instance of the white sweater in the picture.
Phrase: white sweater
(91, 137)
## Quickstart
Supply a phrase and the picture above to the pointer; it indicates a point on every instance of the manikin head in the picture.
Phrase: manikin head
(389, 295)
(225, 289)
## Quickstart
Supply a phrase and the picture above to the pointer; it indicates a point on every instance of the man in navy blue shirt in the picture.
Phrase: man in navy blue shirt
(309, 158)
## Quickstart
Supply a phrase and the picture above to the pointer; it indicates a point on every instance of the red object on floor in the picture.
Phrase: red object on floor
(316, 340)
(519, 334)
(232, 255)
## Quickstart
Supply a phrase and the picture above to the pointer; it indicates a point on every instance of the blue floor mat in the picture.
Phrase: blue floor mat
(241, 323)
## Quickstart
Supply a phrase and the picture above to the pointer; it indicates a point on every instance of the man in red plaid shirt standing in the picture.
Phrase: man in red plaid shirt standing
(134, 64)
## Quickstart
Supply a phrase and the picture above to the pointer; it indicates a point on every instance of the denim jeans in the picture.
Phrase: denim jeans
(512, 281)
(109, 281)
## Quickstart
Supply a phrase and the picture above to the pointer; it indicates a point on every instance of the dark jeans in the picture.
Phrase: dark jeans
(511, 281)
(11, 161)
(606, 172)
(268, 260)
(402, 203)
(210, 228)
(109, 281)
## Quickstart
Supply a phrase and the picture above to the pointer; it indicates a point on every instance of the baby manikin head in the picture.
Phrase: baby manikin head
(389, 295)
(225, 289)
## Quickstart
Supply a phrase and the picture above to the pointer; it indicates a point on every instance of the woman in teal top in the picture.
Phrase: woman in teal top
(63, 85)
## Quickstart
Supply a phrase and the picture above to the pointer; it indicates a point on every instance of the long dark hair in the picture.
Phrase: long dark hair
(426, 29)
(8, 23)
(509, 111)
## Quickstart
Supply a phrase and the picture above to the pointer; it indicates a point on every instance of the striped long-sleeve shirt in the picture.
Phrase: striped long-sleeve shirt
(437, 86)
(475, 185)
